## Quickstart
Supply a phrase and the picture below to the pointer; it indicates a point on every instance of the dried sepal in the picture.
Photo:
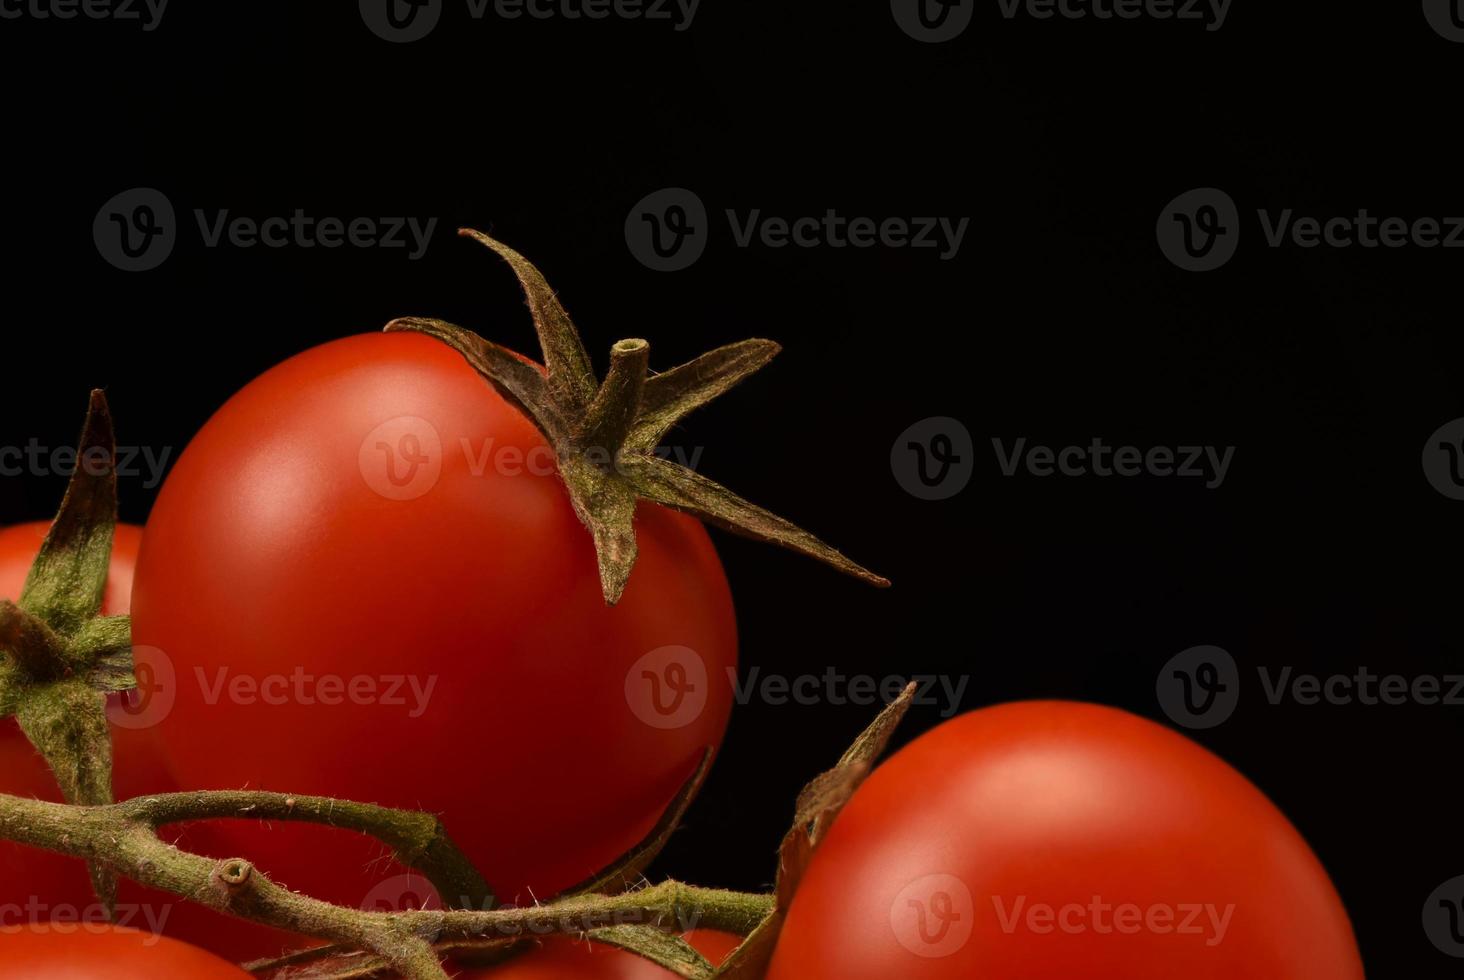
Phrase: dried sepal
(818, 805)
(61, 656)
(681, 488)
(605, 434)
(67, 578)
(672, 395)
(571, 378)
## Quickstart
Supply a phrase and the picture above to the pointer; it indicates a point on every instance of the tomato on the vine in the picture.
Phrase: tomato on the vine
(1066, 841)
(563, 958)
(37, 883)
(93, 951)
(370, 584)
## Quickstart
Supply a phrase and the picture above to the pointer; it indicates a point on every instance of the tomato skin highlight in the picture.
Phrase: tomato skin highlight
(563, 958)
(92, 951)
(371, 512)
(41, 884)
(1050, 804)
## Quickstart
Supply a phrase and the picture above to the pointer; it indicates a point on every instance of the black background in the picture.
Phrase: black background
(1059, 320)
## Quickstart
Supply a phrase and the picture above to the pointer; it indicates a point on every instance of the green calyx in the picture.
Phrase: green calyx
(605, 433)
(60, 656)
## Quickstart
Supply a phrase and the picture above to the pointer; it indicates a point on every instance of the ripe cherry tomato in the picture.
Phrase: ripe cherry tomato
(1061, 841)
(92, 951)
(37, 885)
(370, 584)
(566, 959)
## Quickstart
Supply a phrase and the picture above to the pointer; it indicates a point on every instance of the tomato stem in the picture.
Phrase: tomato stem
(610, 416)
(123, 838)
(605, 434)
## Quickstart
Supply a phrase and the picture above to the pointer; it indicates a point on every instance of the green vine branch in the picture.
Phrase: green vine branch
(59, 657)
(123, 837)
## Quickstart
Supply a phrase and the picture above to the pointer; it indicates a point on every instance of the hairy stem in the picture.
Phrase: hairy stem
(417, 839)
(123, 837)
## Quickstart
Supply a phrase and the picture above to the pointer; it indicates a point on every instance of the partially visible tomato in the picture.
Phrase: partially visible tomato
(1061, 841)
(93, 951)
(40, 884)
(370, 583)
(562, 958)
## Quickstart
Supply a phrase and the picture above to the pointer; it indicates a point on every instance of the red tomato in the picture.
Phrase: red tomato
(564, 959)
(1060, 841)
(38, 884)
(370, 584)
(92, 951)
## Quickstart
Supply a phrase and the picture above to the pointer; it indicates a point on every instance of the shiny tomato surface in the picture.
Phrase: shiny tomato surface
(367, 582)
(1062, 841)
